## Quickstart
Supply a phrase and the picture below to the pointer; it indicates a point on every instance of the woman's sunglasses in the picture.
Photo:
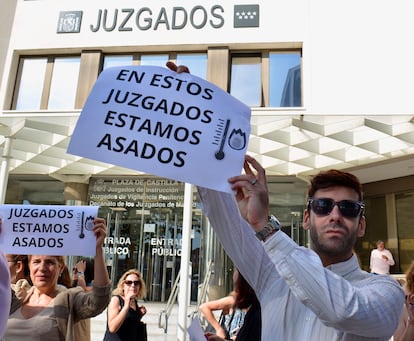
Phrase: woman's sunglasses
(129, 283)
(324, 206)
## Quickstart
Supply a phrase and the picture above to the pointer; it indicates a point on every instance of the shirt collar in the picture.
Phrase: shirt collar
(345, 268)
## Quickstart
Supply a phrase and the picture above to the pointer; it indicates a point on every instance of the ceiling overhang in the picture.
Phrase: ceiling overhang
(285, 143)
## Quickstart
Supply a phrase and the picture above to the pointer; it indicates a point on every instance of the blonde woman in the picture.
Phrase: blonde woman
(124, 313)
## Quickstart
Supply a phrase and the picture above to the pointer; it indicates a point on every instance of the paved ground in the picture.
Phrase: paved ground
(98, 323)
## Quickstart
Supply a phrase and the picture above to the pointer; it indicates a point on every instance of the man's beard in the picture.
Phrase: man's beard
(333, 248)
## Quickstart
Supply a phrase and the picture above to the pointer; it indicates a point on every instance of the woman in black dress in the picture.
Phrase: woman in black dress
(124, 313)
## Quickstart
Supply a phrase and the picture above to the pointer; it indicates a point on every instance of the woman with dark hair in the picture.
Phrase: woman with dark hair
(19, 268)
(20, 280)
(83, 274)
(230, 320)
(251, 329)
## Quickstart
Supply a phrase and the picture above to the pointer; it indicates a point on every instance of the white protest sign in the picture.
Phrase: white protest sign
(195, 332)
(48, 230)
(154, 120)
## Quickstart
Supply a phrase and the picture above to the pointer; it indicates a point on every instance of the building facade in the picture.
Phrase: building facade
(328, 84)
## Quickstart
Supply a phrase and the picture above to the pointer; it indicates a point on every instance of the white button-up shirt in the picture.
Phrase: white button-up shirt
(300, 299)
(378, 264)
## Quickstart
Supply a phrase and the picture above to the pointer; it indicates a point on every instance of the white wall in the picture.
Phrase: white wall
(278, 22)
(6, 23)
(361, 56)
(357, 54)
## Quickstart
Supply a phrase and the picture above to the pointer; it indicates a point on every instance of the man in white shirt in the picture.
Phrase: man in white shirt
(313, 295)
(381, 259)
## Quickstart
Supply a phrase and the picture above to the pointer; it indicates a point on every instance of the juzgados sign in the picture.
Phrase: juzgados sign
(147, 18)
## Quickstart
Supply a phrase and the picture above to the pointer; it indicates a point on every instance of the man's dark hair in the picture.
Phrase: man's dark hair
(334, 177)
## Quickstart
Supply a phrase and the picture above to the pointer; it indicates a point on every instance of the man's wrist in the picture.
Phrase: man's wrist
(271, 227)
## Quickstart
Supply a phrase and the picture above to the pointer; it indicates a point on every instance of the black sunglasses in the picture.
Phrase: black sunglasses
(136, 283)
(324, 206)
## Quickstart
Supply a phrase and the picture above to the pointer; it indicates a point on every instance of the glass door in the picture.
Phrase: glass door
(145, 231)
(161, 251)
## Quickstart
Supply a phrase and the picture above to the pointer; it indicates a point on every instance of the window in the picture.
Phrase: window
(196, 62)
(267, 79)
(47, 83)
(246, 79)
(376, 217)
(285, 88)
(64, 83)
(34, 190)
(259, 79)
(31, 83)
(111, 61)
(405, 218)
(154, 60)
(287, 202)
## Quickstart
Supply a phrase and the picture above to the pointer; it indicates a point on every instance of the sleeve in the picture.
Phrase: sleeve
(238, 239)
(370, 306)
(371, 260)
(5, 293)
(391, 261)
(87, 304)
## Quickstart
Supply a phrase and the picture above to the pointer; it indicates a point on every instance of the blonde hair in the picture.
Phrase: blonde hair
(409, 277)
(119, 290)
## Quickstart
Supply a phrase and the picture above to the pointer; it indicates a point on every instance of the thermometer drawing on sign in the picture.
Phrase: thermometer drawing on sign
(220, 153)
(86, 224)
(82, 235)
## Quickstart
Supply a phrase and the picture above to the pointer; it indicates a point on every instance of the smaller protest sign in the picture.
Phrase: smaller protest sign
(195, 332)
(154, 120)
(48, 230)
